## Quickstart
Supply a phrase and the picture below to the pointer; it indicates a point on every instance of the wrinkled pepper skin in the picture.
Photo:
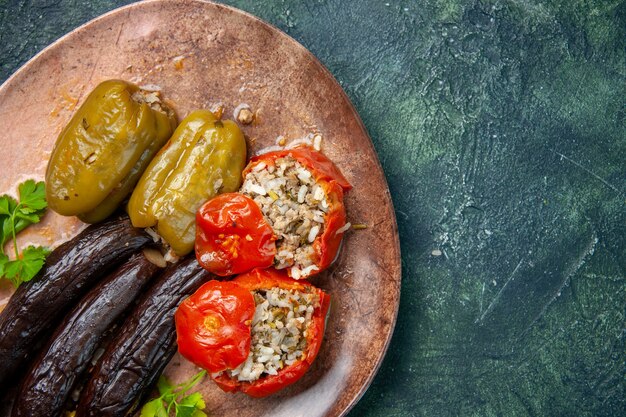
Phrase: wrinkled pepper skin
(101, 153)
(213, 328)
(204, 157)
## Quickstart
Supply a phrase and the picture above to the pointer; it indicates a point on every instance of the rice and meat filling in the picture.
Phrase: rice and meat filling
(153, 99)
(294, 205)
(279, 331)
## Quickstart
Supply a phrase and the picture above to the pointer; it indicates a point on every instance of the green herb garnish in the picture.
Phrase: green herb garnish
(15, 217)
(175, 398)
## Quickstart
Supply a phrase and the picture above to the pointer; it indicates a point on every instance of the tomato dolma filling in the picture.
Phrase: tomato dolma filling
(295, 206)
(298, 195)
(255, 334)
(279, 329)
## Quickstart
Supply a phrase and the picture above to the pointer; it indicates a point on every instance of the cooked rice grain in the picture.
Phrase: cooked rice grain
(294, 205)
(279, 330)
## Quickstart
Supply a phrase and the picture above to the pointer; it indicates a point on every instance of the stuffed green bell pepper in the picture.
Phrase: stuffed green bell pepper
(203, 158)
(102, 152)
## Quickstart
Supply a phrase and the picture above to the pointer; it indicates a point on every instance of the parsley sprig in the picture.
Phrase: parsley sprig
(14, 217)
(175, 398)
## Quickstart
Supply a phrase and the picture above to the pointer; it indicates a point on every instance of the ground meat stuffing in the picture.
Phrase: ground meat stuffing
(294, 205)
(279, 330)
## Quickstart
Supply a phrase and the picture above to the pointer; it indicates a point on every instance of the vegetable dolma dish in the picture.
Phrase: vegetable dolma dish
(193, 217)
(289, 215)
(90, 333)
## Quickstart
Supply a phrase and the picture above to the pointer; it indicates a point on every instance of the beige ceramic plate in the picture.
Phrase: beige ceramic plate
(203, 54)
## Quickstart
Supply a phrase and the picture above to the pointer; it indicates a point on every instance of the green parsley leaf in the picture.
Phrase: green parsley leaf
(7, 207)
(33, 258)
(164, 386)
(33, 197)
(26, 267)
(194, 399)
(7, 204)
(166, 389)
(154, 408)
(190, 406)
(188, 411)
(14, 217)
(3, 261)
(175, 398)
(23, 220)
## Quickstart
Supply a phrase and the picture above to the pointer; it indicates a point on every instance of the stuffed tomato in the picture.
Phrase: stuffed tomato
(289, 213)
(256, 334)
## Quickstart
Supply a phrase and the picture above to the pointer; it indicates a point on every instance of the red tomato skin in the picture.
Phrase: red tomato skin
(320, 166)
(268, 385)
(327, 245)
(334, 184)
(232, 236)
(213, 325)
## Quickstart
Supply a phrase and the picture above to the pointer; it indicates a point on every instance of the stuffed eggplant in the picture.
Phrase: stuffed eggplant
(71, 270)
(51, 377)
(142, 347)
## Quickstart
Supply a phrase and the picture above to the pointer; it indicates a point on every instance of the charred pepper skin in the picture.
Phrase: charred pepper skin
(103, 150)
(142, 347)
(71, 270)
(204, 157)
(67, 354)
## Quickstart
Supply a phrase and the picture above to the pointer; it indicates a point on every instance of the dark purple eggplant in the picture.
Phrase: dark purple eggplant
(70, 271)
(143, 346)
(64, 358)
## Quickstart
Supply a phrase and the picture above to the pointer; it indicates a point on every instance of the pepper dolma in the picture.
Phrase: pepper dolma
(102, 152)
(203, 158)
